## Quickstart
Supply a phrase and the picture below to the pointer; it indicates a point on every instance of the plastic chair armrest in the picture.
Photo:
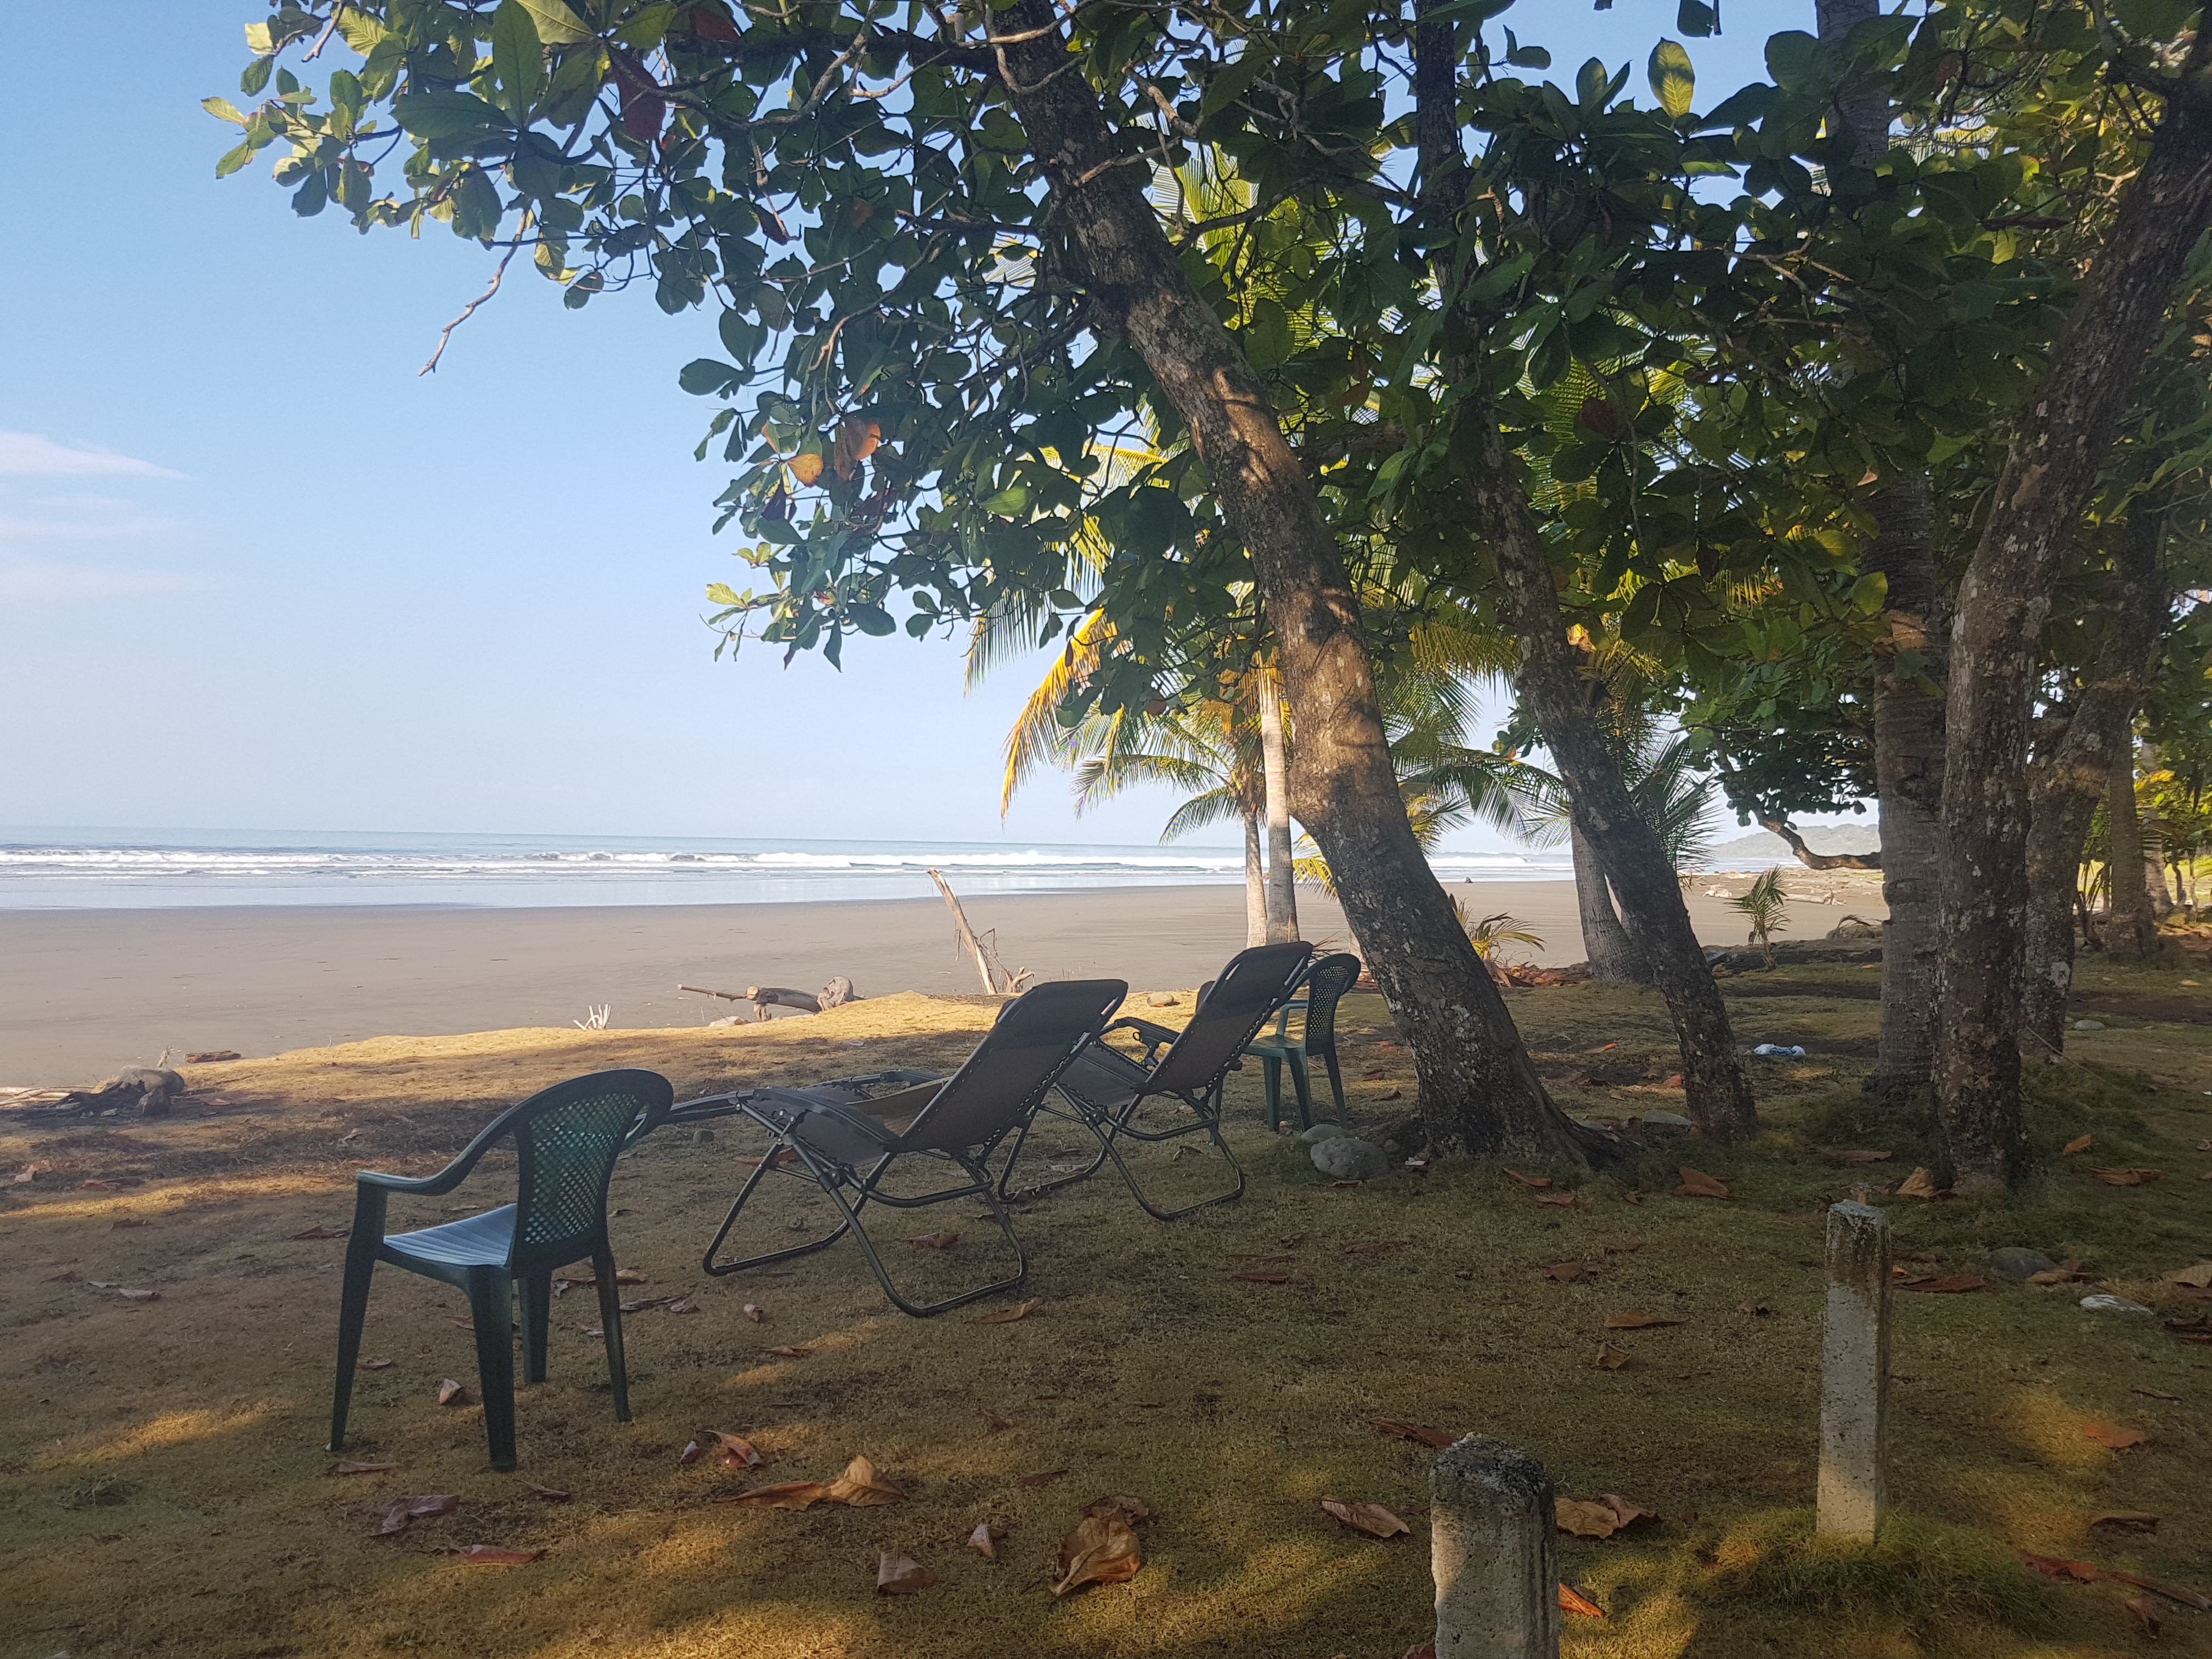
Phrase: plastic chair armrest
(434, 1186)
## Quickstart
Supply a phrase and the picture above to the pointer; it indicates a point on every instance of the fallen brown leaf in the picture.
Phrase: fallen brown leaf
(1586, 1520)
(2079, 1144)
(2051, 1566)
(737, 1452)
(1636, 1322)
(791, 1354)
(1560, 1201)
(2196, 1278)
(401, 1510)
(984, 1540)
(548, 1494)
(324, 1232)
(2131, 1519)
(1953, 1286)
(783, 1495)
(1260, 1278)
(1369, 1518)
(1918, 1184)
(2119, 1438)
(2065, 1273)
(2144, 1611)
(1571, 1602)
(2127, 1177)
(935, 1240)
(451, 1393)
(1102, 1550)
(2181, 1593)
(1019, 1311)
(692, 1452)
(1529, 1180)
(1131, 1510)
(1610, 1359)
(861, 1487)
(1565, 1272)
(494, 1555)
(363, 1468)
(1434, 1439)
(376, 1364)
(1044, 1478)
(1696, 1183)
(758, 1315)
(897, 1575)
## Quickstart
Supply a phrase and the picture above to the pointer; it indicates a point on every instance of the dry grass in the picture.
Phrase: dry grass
(166, 1490)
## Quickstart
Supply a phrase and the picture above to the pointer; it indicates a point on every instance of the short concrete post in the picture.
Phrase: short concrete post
(1494, 1554)
(1855, 1376)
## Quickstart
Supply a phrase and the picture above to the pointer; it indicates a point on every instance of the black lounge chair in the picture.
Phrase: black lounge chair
(1106, 1088)
(849, 1146)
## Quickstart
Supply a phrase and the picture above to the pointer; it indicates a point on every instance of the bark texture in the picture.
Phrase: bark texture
(2153, 843)
(2133, 929)
(1613, 957)
(2003, 603)
(1478, 1092)
(2069, 775)
(1282, 876)
(1255, 885)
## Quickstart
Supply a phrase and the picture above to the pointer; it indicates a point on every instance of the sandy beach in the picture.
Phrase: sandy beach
(82, 992)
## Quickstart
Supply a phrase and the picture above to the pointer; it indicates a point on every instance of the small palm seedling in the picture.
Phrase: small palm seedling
(1763, 905)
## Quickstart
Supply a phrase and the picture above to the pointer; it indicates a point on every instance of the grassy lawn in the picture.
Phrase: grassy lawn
(166, 1490)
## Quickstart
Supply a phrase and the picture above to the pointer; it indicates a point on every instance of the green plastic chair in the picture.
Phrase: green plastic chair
(567, 1139)
(1326, 983)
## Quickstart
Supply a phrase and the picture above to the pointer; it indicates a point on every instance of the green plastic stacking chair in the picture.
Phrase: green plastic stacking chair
(566, 1140)
(1326, 983)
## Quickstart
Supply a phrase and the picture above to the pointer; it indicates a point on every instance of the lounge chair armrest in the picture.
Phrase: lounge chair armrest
(1152, 1034)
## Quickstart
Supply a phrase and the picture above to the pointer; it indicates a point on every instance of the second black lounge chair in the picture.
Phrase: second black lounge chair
(850, 1147)
(1108, 1089)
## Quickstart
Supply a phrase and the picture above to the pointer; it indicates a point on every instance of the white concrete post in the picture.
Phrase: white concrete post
(1494, 1553)
(1854, 1375)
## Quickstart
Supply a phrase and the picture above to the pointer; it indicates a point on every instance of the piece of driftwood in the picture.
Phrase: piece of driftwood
(835, 995)
(983, 947)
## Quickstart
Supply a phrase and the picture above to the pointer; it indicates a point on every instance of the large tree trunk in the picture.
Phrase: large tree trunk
(2154, 844)
(2134, 930)
(1613, 957)
(1282, 878)
(1908, 768)
(1478, 1092)
(2068, 784)
(1255, 885)
(2003, 604)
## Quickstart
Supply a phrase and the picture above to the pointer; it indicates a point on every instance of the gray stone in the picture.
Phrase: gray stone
(2088, 1024)
(1341, 1157)
(1493, 1551)
(1852, 1492)
(1664, 1121)
(2016, 1261)
(1321, 1132)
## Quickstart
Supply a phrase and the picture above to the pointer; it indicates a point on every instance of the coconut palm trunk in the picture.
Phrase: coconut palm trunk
(1613, 957)
(1255, 884)
(1282, 900)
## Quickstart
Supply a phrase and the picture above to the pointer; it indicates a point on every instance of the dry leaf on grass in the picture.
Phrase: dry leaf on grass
(1955, 1284)
(692, 1452)
(1044, 1478)
(984, 1540)
(1370, 1518)
(1636, 1322)
(758, 1315)
(1560, 1201)
(2118, 1438)
(1529, 1180)
(897, 1575)
(376, 1364)
(1014, 1314)
(2144, 1612)
(783, 1495)
(1696, 1183)
(737, 1452)
(451, 1393)
(2181, 1593)
(363, 1468)
(861, 1487)
(791, 1354)
(2079, 1144)
(1585, 1520)
(2197, 1278)
(1610, 1359)
(494, 1555)
(935, 1240)
(1919, 1184)
(324, 1232)
(1572, 1601)
(1102, 1550)
(2127, 1177)
(1435, 1438)
(2051, 1566)
(1131, 1510)
(401, 1510)
(1260, 1278)
(548, 1494)
(2153, 1393)
(1565, 1272)
(2130, 1520)
(2064, 1274)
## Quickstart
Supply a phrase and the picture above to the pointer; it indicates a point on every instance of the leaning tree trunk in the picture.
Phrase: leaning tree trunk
(2133, 929)
(2003, 604)
(1282, 875)
(1908, 768)
(1613, 957)
(1255, 885)
(2068, 785)
(1478, 1092)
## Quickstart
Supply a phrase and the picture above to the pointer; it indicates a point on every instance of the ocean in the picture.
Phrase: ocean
(76, 869)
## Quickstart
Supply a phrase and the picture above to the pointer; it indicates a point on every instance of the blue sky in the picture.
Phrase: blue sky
(255, 572)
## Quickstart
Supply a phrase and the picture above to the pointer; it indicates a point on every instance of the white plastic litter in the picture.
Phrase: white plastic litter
(2111, 1304)
(1776, 1051)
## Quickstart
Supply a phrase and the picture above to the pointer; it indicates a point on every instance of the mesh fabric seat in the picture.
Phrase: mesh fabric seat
(851, 1147)
(566, 1140)
(1324, 986)
(1107, 1091)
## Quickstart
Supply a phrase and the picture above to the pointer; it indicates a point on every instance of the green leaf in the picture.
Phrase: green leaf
(223, 110)
(256, 76)
(1793, 59)
(232, 160)
(1590, 81)
(643, 31)
(556, 25)
(702, 377)
(1521, 57)
(1697, 20)
(1267, 336)
(361, 31)
(518, 61)
(444, 114)
(1870, 591)
(1673, 81)
(308, 200)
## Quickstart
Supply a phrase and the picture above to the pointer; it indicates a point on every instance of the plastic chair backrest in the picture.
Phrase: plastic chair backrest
(1037, 1034)
(1254, 984)
(566, 1140)
(1327, 982)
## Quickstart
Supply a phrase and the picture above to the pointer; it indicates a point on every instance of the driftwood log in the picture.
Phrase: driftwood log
(835, 995)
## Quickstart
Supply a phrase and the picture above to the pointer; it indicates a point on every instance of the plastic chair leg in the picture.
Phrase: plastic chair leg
(491, 1309)
(1335, 1084)
(536, 1318)
(1271, 1075)
(353, 1313)
(1299, 1081)
(603, 1269)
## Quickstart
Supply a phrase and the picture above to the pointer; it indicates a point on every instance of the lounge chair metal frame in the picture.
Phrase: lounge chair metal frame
(849, 1149)
(1192, 1073)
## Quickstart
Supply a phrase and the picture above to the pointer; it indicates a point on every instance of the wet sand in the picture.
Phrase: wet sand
(82, 992)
